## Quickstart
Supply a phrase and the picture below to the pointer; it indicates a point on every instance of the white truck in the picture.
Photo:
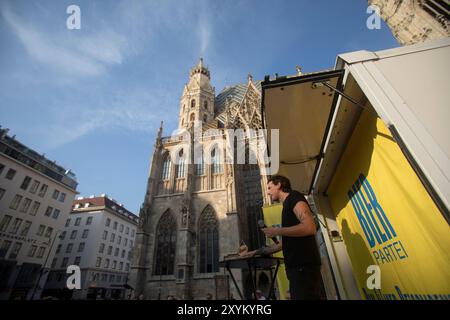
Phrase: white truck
(369, 143)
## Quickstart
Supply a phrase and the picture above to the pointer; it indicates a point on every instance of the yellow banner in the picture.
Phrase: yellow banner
(272, 218)
(388, 219)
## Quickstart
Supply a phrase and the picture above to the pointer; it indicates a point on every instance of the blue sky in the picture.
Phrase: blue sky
(92, 99)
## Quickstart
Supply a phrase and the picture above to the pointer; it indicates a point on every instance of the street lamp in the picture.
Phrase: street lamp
(41, 271)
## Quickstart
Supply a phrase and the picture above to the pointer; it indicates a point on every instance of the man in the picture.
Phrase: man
(298, 230)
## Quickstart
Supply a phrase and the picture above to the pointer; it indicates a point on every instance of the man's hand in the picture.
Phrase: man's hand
(271, 232)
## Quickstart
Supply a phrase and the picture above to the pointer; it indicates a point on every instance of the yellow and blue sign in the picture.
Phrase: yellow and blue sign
(272, 218)
(388, 219)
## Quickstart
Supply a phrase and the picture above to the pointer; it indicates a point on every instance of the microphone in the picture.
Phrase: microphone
(263, 225)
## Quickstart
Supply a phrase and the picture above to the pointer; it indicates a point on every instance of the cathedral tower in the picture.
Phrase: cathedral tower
(197, 101)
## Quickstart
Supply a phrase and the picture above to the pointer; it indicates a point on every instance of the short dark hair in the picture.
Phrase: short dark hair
(285, 183)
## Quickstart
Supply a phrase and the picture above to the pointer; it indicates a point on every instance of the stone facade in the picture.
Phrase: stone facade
(414, 21)
(197, 210)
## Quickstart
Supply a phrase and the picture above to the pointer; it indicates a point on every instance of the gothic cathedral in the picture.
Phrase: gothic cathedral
(197, 212)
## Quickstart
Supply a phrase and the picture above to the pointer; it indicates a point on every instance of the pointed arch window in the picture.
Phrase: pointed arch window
(166, 167)
(209, 242)
(166, 240)
(192, 118)
(205, 105)
(180, 168)
(199, 165)
(193, 103)
(216, 161)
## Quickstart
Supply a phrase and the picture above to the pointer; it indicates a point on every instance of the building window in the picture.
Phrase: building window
(127, 230)
(114, 265)
(109, 250)
(105, 235)
(81, 246)
(69, 247)
(108, 222)
(73, 235)
(77, 261)
(41, 230)
(55, 194)
(25, 229)
(125, 242)
(180, 166)
(54, 263)
(121, 228)
(62, 197)
(89, 221)
(106, 263)
(166, 167)
(15, 250)
(205, 105)
(35, 208)
(63, 235)
(101, 248)
(64, 262)
(209, 242)
(48, 233)
(10, 174)
(5, 223)
(123, 254)
(85, 233)
(115, 225)
(34, 186)
(77, 221)
(58, 249)
(132, 233)
(67, 222)
(127, 268)
(98, 262)
(32, 251)
(216, 161)
(119, 240)
(2, 192)
(25, 183)
(43, 190)
(116, 252)
(166, 238)
(48, 212)
(199, 167)
(2, 166)
(6, 244)
(193, 103)
(56, 213)
(205, 118)
(121, 266)
(113, 236)
(15, 202)
(16, 225)
(192, 117)
(41, 252)
(25, 205)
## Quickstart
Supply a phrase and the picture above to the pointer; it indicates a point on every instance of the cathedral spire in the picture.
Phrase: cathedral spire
(200, 69)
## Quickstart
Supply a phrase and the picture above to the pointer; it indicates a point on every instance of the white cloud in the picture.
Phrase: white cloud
(138, 111)
(81, 56)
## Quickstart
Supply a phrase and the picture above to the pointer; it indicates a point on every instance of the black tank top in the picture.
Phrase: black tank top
(297, 251)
